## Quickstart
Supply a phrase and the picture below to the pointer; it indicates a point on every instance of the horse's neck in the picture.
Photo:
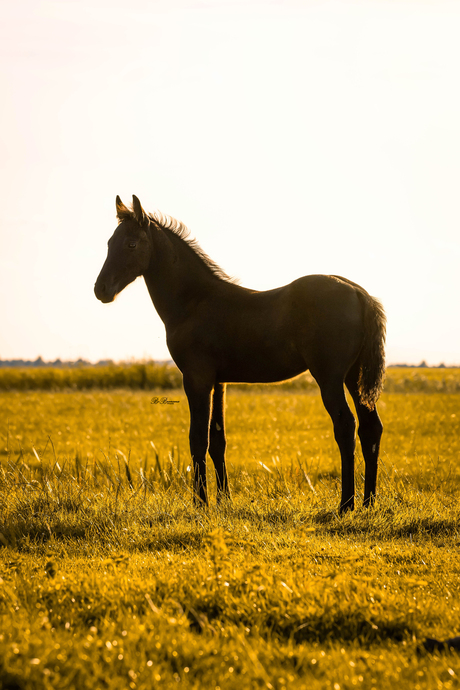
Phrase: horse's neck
(176, 276)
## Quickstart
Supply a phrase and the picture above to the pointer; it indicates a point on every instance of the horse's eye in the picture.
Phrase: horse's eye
(132, 245)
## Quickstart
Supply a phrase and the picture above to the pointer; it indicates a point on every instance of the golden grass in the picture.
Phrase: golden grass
(111, 578)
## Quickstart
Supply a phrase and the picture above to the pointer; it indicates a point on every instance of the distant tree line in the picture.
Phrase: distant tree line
(58, 363)
(422, 365)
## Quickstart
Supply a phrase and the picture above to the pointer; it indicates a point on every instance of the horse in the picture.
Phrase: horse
(219, 332)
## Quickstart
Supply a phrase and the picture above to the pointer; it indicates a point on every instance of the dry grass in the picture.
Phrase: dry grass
(111, 578)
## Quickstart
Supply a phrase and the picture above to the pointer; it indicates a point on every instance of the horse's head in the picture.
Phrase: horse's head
(129, 252)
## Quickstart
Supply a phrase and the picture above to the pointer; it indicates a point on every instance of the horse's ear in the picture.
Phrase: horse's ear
(122, 211)
(139, 213)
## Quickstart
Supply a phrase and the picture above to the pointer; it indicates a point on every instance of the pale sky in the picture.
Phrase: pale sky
(292, 137)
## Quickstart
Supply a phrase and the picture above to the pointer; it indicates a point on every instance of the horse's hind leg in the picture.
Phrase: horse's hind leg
(217, 440)
(335, 402)
(369, 432)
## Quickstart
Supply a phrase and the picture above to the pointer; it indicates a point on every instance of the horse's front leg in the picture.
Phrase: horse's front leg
(217, 441)
(199, 400)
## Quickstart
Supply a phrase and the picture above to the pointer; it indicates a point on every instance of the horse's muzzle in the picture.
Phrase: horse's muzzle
(103, 292)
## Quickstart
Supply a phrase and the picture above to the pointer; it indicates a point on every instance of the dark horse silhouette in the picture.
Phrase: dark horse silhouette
(219, 332)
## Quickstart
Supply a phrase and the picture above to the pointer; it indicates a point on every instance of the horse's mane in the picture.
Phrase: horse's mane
(181, 231)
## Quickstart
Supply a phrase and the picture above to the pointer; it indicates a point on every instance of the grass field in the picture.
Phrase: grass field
(110, 578)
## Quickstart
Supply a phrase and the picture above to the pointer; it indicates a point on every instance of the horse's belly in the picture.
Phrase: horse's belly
(261, 367)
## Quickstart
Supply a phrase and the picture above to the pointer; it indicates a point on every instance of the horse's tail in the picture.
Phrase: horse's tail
(372, 356)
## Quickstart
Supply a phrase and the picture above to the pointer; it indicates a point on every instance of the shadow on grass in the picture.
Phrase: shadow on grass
(140, 525)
